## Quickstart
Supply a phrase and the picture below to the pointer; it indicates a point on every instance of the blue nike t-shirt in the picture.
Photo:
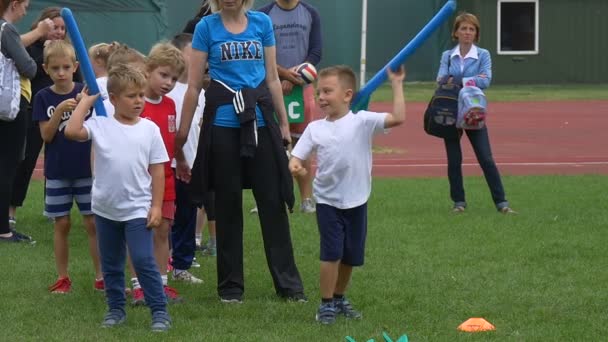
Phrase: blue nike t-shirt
(63, 158)
(235, 59)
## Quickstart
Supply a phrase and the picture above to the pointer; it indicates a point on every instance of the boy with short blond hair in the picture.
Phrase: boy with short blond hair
(127, 193)
(164, 65)
(67, 165)
(342, 184)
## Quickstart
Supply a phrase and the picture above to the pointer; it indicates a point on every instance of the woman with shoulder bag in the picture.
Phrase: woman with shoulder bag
(470, 63)
(12, 133)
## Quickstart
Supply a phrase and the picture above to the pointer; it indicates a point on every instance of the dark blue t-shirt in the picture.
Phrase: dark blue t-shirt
(63, 158)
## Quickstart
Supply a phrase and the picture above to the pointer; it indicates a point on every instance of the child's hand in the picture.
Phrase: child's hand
(154, 217)
(87, 99)
(296, 169)
(66, 106)
(397, 76)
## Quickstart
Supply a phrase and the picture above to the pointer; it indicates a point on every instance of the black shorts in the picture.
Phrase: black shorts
(342, 233)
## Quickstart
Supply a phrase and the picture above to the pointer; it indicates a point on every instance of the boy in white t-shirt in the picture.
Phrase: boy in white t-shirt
(342, 184)
(127, 194)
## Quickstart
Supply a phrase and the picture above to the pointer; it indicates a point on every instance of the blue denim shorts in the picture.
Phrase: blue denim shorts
(61, 193)
(342, 233)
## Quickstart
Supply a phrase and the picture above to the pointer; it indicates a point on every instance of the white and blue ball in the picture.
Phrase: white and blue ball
(307, 72)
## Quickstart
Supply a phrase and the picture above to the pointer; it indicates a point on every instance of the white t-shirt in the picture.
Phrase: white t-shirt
(109, 107)
(191, 145)
(122, 185)
(344, 157)
(102, 83)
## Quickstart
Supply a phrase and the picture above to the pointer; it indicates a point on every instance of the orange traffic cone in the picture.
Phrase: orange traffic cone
(475, 325)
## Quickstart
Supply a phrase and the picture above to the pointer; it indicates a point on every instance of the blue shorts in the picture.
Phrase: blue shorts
(61, 193)
(343, 233)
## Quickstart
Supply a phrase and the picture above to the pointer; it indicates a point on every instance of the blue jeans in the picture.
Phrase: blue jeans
(183, 232)
(481, 145)
(112, 237)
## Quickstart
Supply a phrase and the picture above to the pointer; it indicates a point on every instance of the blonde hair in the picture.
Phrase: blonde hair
(102, 51)
(123, 77)
(216, 7)
(465, 17)
(346, 75)
(58, 48)
(165, 54)
(123, 54)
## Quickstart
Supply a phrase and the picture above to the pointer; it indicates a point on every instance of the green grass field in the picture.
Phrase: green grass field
(537, 276)
(422, 92)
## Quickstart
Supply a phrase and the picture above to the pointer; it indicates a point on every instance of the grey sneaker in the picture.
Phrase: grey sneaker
(507, 211)
(344, 307)
(254, 210)
(113, 318)
(186, 277)
(209, 250)
(195, 264)
(161, 321)
(308, 206)
(326, 314)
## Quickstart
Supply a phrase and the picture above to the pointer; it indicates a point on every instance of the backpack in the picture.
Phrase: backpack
(472, 106)
(442, 111)
(10, 87)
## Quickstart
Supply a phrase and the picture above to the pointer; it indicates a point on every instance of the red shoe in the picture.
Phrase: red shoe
(62, 285)
(99, 285)
(170, 265)
(138, 297)
(172, 295)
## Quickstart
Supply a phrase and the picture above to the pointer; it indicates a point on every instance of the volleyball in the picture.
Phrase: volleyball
(307, 72)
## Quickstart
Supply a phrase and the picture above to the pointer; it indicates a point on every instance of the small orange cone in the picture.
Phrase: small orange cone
(476, 324)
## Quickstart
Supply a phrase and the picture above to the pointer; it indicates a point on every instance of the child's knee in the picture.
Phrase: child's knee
(62, 224)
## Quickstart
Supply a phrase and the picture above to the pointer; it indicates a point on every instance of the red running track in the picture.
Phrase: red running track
(553, 137)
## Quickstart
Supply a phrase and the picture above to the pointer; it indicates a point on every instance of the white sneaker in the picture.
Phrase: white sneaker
(308, 206)
(186, 277)
(12, 222)
(254, 210)
(195, 264)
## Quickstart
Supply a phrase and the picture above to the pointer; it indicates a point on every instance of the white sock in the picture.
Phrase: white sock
(165, 279)
(135, 283)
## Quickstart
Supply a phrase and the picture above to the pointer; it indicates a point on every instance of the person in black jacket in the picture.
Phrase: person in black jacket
(241, 144)
(40, 81)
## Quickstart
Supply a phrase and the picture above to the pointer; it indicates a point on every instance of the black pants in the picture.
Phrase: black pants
(228, 174)
(25, 169)
(481, 145)
(12, 141)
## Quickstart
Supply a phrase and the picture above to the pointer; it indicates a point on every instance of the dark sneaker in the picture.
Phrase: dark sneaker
(13, 239)
(161, 321)
(344, 307)
(326, 314)
(113, 318)
(231, 299)
(18, 237)
(298, 297)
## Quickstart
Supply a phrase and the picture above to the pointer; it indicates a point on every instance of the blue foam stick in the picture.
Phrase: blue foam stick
(83, 58)
(362, 98)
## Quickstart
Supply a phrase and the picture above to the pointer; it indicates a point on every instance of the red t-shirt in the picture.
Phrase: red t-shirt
(163, 115)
